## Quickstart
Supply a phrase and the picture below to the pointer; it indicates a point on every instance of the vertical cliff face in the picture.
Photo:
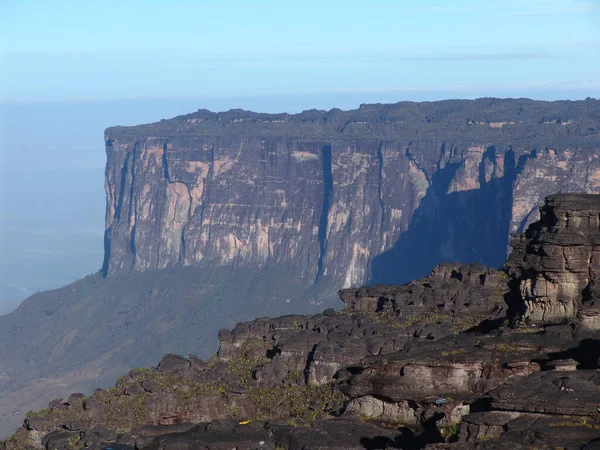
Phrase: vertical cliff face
(248, 202)
(328, 206)
(567, 169)
(376, 188)
(378, 194)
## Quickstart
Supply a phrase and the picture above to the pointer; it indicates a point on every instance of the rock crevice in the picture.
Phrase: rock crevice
(324, 219)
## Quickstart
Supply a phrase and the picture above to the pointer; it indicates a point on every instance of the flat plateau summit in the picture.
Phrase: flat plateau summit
(217, 218)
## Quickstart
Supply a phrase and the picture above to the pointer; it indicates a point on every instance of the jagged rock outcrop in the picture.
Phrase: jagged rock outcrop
(234, 215)
(557, 261)
(342, 194)
(448, 361)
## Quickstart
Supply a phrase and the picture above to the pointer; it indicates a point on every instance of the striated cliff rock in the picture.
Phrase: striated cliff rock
(213, 218)
(451, 361)
(343, 194)
(557, 261)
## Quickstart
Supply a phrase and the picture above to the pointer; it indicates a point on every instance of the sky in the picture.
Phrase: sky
(71, 68)
(82, 50)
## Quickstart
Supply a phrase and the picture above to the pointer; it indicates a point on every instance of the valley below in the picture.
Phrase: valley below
(218, 218)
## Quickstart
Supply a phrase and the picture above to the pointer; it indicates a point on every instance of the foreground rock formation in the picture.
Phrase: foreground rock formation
(460, 359)
(556, 261)
(215, 218)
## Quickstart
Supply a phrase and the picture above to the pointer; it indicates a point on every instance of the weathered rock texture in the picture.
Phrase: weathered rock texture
(84, 335)
(557, 261)
(447, 361)
(216, 218)
(350, 195)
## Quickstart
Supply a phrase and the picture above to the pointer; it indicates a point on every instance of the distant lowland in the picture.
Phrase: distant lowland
(7, 306)
(216, 218)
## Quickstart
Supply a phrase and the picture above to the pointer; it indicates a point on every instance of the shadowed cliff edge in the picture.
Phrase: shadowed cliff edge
(453, 226)
(342, 194)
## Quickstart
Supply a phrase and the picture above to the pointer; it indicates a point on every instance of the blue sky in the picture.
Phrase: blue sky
(94, 64)
(97, 50)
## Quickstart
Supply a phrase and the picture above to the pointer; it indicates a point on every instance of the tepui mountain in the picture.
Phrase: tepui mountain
(213, 218)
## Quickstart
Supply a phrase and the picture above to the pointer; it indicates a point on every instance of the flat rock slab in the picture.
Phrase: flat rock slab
(337, 434)
(341, 434)
(537, 432)
(214, 436)
(555, 392)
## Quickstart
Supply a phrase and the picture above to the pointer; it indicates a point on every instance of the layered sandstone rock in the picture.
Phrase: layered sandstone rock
(378, 193)
(342, 194)
(557, 261)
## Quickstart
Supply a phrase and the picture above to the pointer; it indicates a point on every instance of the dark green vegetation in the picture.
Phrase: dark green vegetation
(447, 119)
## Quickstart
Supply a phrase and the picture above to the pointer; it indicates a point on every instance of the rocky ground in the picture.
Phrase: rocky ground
(469, 357)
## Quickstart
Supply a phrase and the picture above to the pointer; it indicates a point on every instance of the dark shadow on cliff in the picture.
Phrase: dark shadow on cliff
(405, 440)
(586, 353)
(466, 226)
(327, 194)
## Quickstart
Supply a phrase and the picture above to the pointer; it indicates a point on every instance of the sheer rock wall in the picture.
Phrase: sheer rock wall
(253, 202)
(343, 194)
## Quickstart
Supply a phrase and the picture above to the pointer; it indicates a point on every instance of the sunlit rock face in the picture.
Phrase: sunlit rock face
(179, 202)
(557, 260)
(253, 202)
(378, 194)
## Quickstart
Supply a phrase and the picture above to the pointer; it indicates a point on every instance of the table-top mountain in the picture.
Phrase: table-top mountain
(213, 218)
(343, 194)
(450, 361)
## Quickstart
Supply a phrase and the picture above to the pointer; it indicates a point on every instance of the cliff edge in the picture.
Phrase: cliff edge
(213, 218)
(343, 194)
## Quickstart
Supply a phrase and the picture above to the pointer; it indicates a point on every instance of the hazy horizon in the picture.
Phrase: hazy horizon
(70, 69)
(296, 236)
(52, 201)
